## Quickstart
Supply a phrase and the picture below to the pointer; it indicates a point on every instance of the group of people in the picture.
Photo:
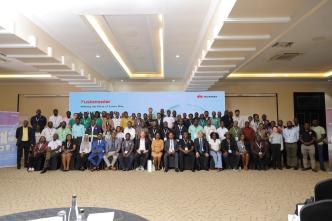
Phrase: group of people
(171, 140)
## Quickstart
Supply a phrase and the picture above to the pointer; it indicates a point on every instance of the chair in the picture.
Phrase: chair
(317, 211)
(323, 190)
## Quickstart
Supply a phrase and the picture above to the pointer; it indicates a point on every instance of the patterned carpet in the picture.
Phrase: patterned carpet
(228, 195)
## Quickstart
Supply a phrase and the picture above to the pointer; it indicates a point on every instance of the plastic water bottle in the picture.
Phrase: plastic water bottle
(73, 211)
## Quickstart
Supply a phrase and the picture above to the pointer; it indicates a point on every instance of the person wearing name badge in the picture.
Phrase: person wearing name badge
(56, 119)
(186, 150)
(164, 131)
(86, 120)
(97, 151)
(53, 151)
(25, 141)
(48, 131)
(93, 131)
(63, 131)
(116, 120)
(68, 148)
(209, 129)
(38, 155)
(119, 133)
(113, 146)
(222, 130)
(126, 157)
(131, 130)
(157, 148)
(320, 136)
(169, 119)
(142, 151)
(85, 149)
(235, 131)
(153, 131)
(171, 150)
(308, 138)
(194, 129)
(179, 129)
(230, 152)
(244, 148)
(38, 119)
(215, 151)
(258, 148)
(107, 121)
(277, 145)
(201, 146)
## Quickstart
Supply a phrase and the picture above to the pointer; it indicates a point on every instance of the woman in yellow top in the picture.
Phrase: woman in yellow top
(157, 148)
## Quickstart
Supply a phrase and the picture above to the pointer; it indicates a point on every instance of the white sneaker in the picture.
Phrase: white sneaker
(138, 168)
(32, 169)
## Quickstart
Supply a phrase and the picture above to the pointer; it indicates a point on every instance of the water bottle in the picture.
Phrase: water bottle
(73, 211)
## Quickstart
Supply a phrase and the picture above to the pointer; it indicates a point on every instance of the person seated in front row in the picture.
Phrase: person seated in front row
(258, 148)
(37, 156)
(157, 148)
(244, 147)
(68, 147)
(84, 152)
(215, 151)
(230, 152)
(186, 150)
(171, 150)
(126, 156)
(142, 150)
(202, 152)
(113, 148)
(53, 151)
(98, 148)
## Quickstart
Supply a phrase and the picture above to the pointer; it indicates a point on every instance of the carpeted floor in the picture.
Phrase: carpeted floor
(228, 195)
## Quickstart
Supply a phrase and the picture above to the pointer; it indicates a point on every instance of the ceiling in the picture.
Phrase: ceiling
(195, 43)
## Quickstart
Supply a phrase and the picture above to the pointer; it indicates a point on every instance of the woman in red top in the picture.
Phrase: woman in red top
(37, 155)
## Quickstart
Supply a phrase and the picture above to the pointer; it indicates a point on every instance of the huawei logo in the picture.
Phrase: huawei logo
(199, 96)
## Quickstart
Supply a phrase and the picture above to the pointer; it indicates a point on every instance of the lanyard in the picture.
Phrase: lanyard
(259, 145)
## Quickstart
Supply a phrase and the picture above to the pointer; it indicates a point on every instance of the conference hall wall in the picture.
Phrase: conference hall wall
(247, 105)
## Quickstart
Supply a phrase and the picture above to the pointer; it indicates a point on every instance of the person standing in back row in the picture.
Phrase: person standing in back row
(308, 138)
(320, 136)
(25, 140)
(291, 137)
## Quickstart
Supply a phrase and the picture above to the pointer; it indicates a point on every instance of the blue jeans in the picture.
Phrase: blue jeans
(320, 148)
(217, 159)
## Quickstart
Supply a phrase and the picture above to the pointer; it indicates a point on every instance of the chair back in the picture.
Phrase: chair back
(323, 190)
(317, 211)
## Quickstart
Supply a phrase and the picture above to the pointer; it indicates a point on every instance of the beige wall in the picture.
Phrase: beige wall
(284, 90)
(247, 105)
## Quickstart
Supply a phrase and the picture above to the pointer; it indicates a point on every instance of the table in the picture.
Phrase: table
(44, 213)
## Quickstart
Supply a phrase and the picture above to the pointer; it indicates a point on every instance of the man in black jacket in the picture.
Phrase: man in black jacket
(201, 146)
(25, 139)
(38, 119)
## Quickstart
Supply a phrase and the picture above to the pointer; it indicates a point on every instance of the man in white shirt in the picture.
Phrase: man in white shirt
(129, 129)
(56, 119)
(222, 130)
(239, 119)
(54, 148)
(169, 119)
(142, 148)
(291, 137)
(208, 129)
(48, 131)
(116, 120)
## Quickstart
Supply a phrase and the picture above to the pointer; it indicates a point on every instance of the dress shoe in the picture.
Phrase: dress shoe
(43, 171)
(288, 167)
(176, 170)
(314, 170)
(166, 170)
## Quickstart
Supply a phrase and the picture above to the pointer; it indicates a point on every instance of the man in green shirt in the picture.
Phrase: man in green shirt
(235, 131)
(320, 136)
(63, 131)
(86, 120)
(194, 129)
(215, 120)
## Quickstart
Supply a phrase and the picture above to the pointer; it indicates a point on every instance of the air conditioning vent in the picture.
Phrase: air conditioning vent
(285, 44)
(3, 57)
(285, 56)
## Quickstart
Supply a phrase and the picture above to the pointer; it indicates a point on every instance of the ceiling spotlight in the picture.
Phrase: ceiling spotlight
(173, 80)
(97, 56)
(177, 56)
(121, 80)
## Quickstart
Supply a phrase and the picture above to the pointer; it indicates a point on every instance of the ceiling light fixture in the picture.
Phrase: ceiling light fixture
(177, 56)
(173, 80)
(278, 75)
(25, 76)
(97, 56)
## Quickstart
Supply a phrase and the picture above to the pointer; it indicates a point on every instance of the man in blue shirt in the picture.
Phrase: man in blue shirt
(97, 152)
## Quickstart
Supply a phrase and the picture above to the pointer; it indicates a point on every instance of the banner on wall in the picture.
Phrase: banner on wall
(9, 121)
(139, 102)
(329, 135)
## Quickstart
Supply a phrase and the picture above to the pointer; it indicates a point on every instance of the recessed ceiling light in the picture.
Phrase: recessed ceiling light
(97, 56)
(177, 56)
(121, 80)
(173, 80)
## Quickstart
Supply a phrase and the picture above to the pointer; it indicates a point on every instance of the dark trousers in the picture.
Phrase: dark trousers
(299, 153)
(83, 161)
(38, 161)
(260, 162)
(276, 155)
(183, 157)
(126, 163)
(76, 157)
(202, 162)
(23, 146)
(232, 161)
(284, 156)
(167, 156)
(140, 159)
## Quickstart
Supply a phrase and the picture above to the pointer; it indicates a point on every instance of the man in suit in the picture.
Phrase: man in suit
(38, 119)
(171, 150)
(142, 151)
(180, 128)
(202, 152)
(153, 130)
(93, 131)
(230, 152)
(126, 156)
(97, 151)
(186, 150)
(159, 121)
(25, 140)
